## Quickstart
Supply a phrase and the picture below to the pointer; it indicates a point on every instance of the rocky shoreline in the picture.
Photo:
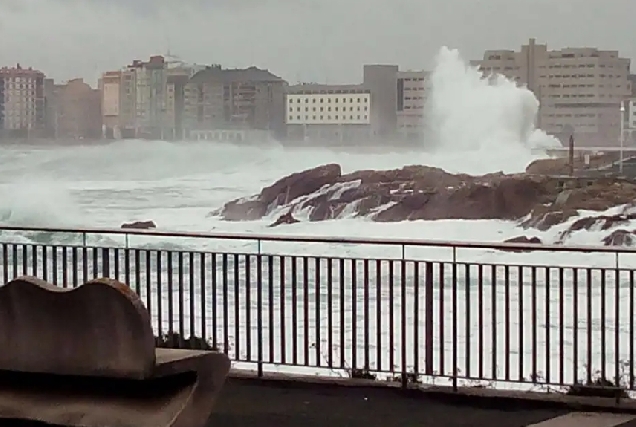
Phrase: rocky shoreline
(537, 201)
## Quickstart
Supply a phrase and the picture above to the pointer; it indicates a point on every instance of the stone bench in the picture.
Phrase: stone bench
(87, 357)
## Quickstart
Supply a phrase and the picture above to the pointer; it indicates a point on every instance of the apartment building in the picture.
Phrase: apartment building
(110, 87)
(23, 101)
(328, 113)
(233, 101)
(412, 89)
(580, 89)
(151, 82)
(78, 112)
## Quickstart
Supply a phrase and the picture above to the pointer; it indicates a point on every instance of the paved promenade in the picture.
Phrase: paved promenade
(246, 403)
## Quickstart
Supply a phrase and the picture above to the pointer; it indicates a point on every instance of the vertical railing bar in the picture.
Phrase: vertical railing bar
(248, 307)
(416, 319)
(225, 293)
(603, 324)
(403, 326)
(507, 324)
(203, 296)
(548, 325)
(378, 314)
(632, 325)
(330, 325)
(259, 313)
(74, 264)
(306, 345)
(533, 311)
(354, 314)
(391, 316)
(590, 366)
(575, 323)
(236, 262)
(442, 317)
(159, 280)
(181, 302)
(283, 303)
(170, 278)
(365, 311)
(192, 305)
(561, 327)
(454, 309)
(467, 319)
(520, 281)
(294, 307)
(480, 319)
(493, 316)
(270, 308)
(617, 312)
(317, 310)
(54, 267)
(429, 346)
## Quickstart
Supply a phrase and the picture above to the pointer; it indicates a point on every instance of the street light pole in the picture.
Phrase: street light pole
(622, 137)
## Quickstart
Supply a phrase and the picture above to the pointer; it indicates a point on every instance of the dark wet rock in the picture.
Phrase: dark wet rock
(281, 193)
(620, 238)
(600, 222)
(286, 218)
(525, 240)
(522, 240)
(140, 225)
(428, 193)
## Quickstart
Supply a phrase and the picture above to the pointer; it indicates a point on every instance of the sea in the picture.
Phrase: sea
(476, 125)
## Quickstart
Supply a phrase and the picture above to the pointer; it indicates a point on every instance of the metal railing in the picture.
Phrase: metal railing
(413, 310)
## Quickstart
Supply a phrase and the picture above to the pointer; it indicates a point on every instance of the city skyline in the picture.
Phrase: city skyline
(303, 41)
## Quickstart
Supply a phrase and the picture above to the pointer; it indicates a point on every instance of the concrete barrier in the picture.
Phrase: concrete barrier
(87, 357)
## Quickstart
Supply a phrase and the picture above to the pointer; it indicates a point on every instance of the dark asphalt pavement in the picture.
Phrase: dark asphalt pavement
(246, 403)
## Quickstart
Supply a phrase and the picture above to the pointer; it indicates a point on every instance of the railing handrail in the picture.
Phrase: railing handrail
(503, 246)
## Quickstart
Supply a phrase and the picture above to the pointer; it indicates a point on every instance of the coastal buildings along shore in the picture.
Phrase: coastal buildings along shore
(585, 92)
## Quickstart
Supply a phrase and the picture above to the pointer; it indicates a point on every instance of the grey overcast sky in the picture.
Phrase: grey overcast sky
(307, 40)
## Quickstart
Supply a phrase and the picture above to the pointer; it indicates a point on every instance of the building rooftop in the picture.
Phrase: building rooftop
(217, 73)
(317, 88)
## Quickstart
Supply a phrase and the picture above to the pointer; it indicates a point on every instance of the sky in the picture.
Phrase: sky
(299, 40)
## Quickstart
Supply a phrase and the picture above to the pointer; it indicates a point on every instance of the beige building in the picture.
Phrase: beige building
(328, 113)
(22, 102)
(78, 112)
(580, 89)
(411, 100)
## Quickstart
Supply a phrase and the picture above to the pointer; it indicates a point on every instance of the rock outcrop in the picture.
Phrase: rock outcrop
(428, 193)
(140, 225)
(620, 238)
(286, 218)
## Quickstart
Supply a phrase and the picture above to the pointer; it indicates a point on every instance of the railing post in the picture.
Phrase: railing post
(428, 313)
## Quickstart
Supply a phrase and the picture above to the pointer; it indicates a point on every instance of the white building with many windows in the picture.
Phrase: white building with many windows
(328, 113)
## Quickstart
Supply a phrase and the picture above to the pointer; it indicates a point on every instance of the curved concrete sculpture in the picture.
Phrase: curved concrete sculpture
(87, 357)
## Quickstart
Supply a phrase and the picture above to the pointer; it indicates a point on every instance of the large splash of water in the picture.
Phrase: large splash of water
(489, 118)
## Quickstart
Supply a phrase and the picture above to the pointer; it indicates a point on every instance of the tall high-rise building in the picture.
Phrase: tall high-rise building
(580, 89)
(23, 101)
(412, 90)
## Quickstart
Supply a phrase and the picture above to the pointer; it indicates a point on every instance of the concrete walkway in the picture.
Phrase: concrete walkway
(246, 403)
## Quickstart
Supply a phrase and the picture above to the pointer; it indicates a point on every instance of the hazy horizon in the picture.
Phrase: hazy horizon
(299, 40)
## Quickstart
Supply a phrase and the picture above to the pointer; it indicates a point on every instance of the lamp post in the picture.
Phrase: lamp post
(622, 137)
